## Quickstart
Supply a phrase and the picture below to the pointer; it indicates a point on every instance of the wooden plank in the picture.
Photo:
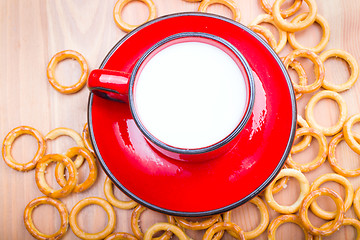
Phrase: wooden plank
(33, 31)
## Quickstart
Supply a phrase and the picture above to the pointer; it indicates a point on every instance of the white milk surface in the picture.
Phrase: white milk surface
(190, 95)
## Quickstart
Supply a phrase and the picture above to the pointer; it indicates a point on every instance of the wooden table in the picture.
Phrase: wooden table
(33, 31)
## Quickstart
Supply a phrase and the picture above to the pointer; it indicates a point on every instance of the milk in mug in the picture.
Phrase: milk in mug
(190, 95)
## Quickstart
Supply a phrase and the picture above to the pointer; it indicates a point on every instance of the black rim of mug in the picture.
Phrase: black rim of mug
(227, 139)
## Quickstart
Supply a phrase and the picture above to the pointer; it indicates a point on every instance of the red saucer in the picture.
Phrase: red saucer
(210, 187)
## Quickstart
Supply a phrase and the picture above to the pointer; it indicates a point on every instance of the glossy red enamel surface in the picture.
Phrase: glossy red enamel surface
(193, 189)
(109, 83)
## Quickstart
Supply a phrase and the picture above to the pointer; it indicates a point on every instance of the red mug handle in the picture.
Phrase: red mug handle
(109, 84)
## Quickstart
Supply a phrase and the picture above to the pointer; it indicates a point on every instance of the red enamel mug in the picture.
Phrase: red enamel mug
(190, 95)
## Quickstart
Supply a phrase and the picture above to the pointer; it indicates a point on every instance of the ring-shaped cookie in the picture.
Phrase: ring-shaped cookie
(229, 226)
(285, 13)
(296, 65)
(304, 189)
(29, 224)
(354, 69)
(89, 201)
(279, 184)
(217, 236)
(266, 33)
(86, 139)
(301, 121)
(266, 18)
(347, 221)
(335, 224)
(109, 194)
(324, 39)
(90, 180)
(168, 227)
(349, 135)
(60, 56)
(332, 158)
(135, 227)
(198, 225)
(40, 175)
(319, 69)
(121, 236)
(349, 194)
(9, 140)
(228, 3)
(320, 158)
(294, 26)
(61, 131)
(305, 142)
(264, 219)
(119, 6)
(356, 202)
(309, 112)
(275, 224)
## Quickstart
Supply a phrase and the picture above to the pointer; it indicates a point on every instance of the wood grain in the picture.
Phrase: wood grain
(33, 31)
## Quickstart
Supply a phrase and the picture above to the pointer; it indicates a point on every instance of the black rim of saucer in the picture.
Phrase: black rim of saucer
(230, 206)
